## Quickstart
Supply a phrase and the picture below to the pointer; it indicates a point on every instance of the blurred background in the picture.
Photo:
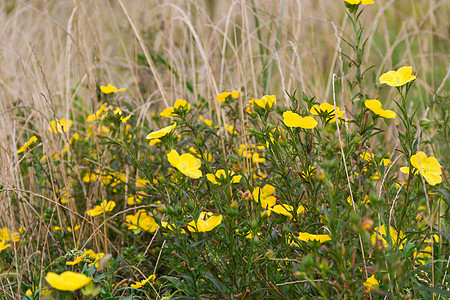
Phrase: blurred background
(55, 54)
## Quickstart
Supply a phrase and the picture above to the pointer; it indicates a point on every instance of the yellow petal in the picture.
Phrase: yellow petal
(370, 282)
(418, 159)
(67, 281)
(167, 112)
(292, 119)
(162, 132)
(432, 178)
(212, 178)
(222, 96)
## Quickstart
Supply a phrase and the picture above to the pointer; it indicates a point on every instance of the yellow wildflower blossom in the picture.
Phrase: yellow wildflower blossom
(231, 129)
(205, 222)
(266, 102)
(207, 122)
(60, 126)
(422, 256)
(67, 281)
(287, 210)
(429, 167)
(101, 113)
(185, 163)
(375, 107)
(222, 97)
(162, 132)
(359, 2)
(180, 104)
(6, 235)
(154, 142)
(367, 156)
(3, 246)
(306, 237)
(379, 237)
(105, 206)
(398, 78)
(89, 256)
(25, 146)
(141, 221)
(370, 282)
(292, 119)
(141, 283)
(220, 177)
(329, 109)
(235, 94)
(110, 89)
(265, 196)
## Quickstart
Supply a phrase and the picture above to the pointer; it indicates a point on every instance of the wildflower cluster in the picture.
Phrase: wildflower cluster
(240, 197)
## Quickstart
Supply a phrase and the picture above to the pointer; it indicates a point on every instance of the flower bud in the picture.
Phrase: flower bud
(425, 123)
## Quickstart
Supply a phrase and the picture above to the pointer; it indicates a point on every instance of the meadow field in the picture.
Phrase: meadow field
(205, 149)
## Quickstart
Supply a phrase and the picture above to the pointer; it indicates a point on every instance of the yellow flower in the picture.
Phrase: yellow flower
(180, 104)
(220, 176)
(110, 89)
(231, 129)
(375, 107)
(89, 256)
(292, 119)
(100, 130)
(69, 229)
(207, 122)
(422, 256)
(125, 119)
(397, 78)
(257, 159)
(67, 281)
(99, 209)
(132, 200)
(265, 196)
(162, 132)
(185, 163)
(367, 156)
(154, 142)
(359, 2)
(45, 291)
(287, 210)
(171, 227)
(428, 167)
(379, 240)
(370, 282)
(266, 102)
(366, 200)
(32, 140)
(308, 172)
(59, 126)
(205, 222)
(385, 162)
(141, 221)
(6, 235)
(3, 246)
(306, 237)
(101, 113)
(329, 109)
(141, 283)
(222, 97)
